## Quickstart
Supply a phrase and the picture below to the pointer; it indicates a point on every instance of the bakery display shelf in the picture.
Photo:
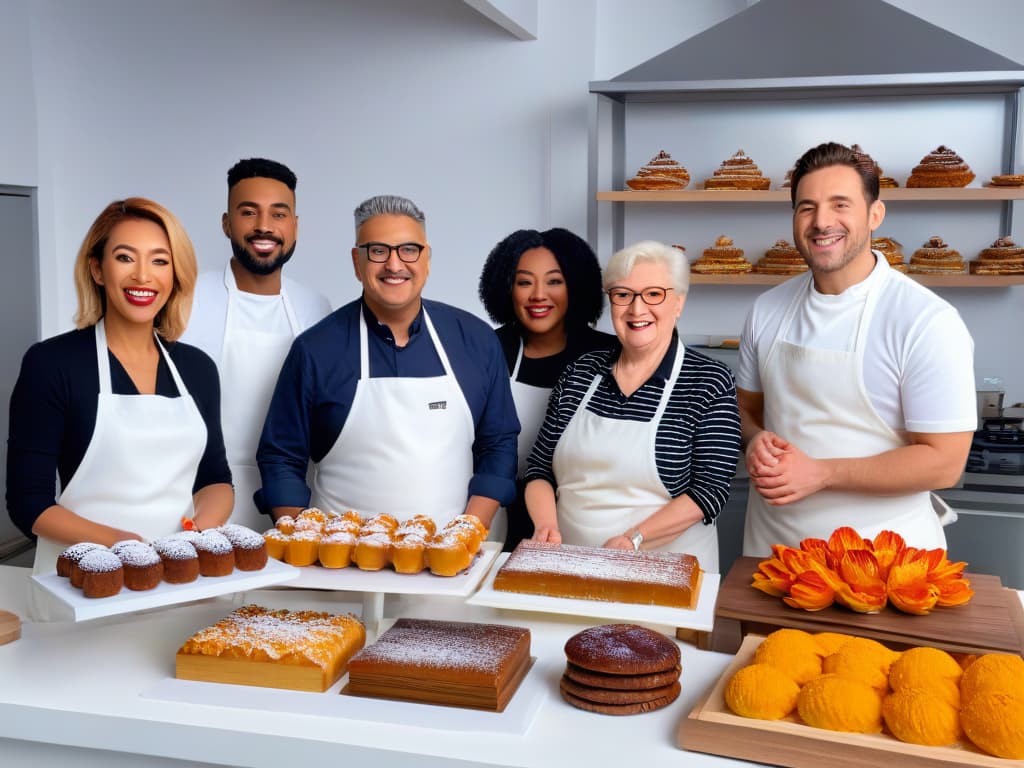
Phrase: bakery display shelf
(956, 194)
(713, 728)
(932, 281)
(700, 618)
(82, 608)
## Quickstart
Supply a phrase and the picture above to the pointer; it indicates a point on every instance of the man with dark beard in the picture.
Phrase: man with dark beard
(855, 383)
(246, 315)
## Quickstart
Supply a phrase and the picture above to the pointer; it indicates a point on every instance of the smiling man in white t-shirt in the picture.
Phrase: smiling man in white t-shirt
(855, 383)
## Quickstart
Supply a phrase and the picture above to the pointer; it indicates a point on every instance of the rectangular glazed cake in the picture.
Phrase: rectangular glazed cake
(443, 662)
(299, 650)
(595, 573)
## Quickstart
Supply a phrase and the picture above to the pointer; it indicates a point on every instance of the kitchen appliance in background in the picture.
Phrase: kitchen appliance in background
(997, 449)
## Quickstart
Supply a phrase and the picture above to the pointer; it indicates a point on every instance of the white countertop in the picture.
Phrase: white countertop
(80, 685)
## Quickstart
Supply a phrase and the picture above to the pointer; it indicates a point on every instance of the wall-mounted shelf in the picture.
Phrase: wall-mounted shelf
(932, 281)
(782, 195)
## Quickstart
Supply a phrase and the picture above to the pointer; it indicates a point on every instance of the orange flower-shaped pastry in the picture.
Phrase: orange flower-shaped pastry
(863, 589)
(810, 591)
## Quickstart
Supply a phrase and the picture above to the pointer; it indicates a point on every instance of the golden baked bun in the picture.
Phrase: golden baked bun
(738, 172)
(941, 168)
(660, 173)
(285, 524)
(303, 548)
(335, 550)
(1008, 180)
(372, 551)
(409, 554)
(447, 554)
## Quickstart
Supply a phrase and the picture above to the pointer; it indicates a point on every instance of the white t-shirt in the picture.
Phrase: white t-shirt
(919, 356)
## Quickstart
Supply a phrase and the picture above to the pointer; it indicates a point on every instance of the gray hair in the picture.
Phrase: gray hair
(649, 252)
(383, 205)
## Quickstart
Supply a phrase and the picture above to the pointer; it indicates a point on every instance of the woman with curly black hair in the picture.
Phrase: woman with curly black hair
(544, 290)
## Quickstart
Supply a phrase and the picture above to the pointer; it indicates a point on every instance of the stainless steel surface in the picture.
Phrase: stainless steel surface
(989, 532)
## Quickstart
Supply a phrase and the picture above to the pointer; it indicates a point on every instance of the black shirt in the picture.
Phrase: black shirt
(53, 415)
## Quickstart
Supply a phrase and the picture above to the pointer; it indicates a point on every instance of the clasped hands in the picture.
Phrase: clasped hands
(781, 472)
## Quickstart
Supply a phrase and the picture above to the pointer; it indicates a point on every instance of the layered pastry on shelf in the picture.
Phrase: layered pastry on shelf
(595, 573)
(620, 669)
(935, 257)
(892, 250)
(722, 258)
(884, 182)
(1003, 257)
(300, 650)
(1007, 180)
(941, 168)
(781, 259)
(660, 173)
(738, 172)
(456, 663)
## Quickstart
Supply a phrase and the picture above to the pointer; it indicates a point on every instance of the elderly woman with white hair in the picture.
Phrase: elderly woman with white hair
(638, 443)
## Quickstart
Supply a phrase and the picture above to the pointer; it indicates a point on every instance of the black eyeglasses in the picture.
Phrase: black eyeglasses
(623, 297)
(381, 252)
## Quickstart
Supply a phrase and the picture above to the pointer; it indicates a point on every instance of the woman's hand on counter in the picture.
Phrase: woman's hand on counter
(548, 534)
(619, 542)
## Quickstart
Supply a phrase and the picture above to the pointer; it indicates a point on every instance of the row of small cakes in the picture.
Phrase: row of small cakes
(935, 256)
(335, 540)
(940, 168)
(180, 558)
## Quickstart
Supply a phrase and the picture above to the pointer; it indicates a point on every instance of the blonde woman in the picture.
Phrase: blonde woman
(127, 419)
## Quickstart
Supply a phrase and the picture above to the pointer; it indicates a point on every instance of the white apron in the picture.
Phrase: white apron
(531, 405)
(608, 479)
(406, 447)
(138, 470)
(815, 398)
(250, 362)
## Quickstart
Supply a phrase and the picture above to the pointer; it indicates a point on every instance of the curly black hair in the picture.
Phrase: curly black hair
(575, 258)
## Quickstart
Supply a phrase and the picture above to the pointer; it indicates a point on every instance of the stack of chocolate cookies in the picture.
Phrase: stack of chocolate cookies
(620, 669)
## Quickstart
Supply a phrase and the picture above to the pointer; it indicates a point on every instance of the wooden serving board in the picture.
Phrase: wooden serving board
(992, 621)
(712, 727)
(10, 627)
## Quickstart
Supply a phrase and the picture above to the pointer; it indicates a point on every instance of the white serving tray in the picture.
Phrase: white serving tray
(515, 719)
(387, 581)
(701, 618)
(164, 594)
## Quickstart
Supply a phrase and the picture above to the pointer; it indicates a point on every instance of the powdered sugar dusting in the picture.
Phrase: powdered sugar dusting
(175, 548)
(76, 551)
(663, 568)
(445, 646)
(141, 556)
(100, 561)
(214, 542)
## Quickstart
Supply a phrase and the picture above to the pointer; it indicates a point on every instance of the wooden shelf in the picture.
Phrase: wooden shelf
(782, 195)
(932, 281)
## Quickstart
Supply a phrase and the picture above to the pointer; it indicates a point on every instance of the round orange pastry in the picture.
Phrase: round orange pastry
(382, 523)
(469, 528)
(840, 704)
(419, 524)
(793, 652)
(992, 672)
(447, 555)
(285, 524)
(351, 514)
(928, 669)
(761, 691)
(372, 550)
(830, 642)
(277, 543)
(916, 716)
(862, 659)
(303, 548)
(409, 554)
(994, 721)
(312, 513)
(335, 549)
(341, 525)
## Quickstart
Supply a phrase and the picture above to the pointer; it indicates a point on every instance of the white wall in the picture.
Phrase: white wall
(117, 97)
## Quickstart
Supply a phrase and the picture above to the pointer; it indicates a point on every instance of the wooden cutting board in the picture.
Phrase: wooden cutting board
(992, 621)
(712, 727)
(10, 627)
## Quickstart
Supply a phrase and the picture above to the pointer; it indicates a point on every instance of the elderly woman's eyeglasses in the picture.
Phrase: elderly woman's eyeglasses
(381, 252)
(623, 297)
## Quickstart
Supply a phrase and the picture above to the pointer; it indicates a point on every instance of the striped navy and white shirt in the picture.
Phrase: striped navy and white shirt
(698, 440)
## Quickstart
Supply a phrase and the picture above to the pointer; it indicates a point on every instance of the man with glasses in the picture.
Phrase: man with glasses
(246, 315)
(402, 403)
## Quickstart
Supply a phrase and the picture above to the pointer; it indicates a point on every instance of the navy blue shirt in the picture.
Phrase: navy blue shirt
(53, 415)
(318, 380)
